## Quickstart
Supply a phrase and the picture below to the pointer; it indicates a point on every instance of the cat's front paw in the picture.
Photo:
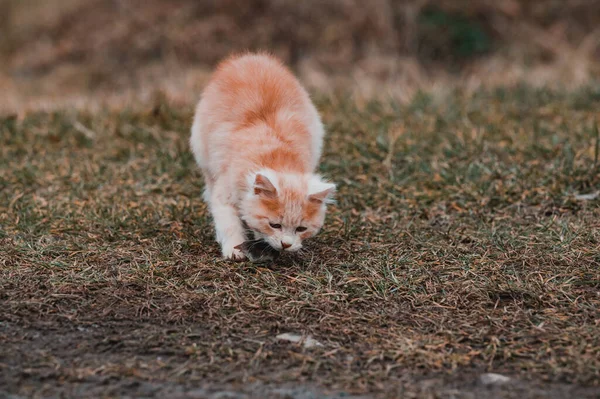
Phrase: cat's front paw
(233, 254)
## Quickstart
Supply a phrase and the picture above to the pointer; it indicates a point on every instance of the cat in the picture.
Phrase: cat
(257, 137)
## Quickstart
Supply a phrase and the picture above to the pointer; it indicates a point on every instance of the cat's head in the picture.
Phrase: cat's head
(284, 209)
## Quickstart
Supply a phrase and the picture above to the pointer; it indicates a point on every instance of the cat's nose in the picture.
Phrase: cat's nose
(285, 245)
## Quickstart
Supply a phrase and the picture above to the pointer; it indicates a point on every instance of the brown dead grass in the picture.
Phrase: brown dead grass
(100, 51)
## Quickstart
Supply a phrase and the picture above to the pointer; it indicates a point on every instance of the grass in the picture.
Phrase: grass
(457, 246)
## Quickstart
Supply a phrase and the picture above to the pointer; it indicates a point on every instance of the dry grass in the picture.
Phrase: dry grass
(99, 51)
(457, 246)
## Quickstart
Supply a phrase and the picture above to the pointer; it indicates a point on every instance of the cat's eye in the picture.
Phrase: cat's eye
(275, 225)
(300, 229)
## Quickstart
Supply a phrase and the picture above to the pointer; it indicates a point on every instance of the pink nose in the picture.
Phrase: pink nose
(285, 246)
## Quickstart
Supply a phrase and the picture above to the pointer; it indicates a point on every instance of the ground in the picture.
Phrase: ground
(464, 241)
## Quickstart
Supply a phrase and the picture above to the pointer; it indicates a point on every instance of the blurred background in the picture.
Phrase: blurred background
(56, 52)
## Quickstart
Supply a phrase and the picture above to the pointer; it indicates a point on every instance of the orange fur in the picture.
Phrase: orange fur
(257, 138)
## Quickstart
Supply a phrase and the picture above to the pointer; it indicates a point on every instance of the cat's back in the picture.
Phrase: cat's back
(250, 86)
(254, 75)
(251, 99)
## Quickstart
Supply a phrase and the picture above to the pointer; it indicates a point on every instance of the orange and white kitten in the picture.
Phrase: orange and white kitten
(257, 138)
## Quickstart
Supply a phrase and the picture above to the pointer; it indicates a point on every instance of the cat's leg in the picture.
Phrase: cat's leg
(228, 226)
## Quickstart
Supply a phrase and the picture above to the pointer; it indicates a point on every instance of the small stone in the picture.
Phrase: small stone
(308, 342)
(493, 378)
(587, 197)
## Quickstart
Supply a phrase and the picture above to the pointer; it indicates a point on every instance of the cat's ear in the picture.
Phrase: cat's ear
(264, 186)
(320, 191)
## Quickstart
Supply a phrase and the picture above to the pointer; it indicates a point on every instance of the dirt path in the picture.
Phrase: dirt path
(60, 358)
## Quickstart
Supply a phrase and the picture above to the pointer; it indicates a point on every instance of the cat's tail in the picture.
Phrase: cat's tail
(197, 141)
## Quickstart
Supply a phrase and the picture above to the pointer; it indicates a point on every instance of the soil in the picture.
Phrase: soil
(57, 357)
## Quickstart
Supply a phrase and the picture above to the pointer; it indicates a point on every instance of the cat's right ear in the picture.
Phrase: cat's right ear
(263, 186)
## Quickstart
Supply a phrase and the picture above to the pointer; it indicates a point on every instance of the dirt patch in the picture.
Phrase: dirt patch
(53, 357)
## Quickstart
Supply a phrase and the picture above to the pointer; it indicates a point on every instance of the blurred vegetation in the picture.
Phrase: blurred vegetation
(451, 36)
(377, 44)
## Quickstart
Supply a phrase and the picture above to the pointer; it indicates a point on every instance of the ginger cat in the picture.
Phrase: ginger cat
(257, 138)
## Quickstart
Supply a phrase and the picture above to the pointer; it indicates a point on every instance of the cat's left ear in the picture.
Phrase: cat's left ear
(320, 191)
(263, 186)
